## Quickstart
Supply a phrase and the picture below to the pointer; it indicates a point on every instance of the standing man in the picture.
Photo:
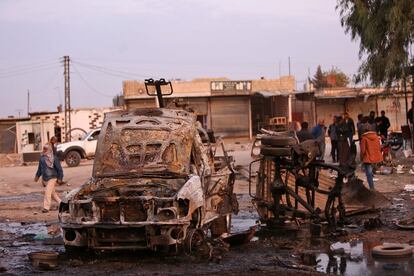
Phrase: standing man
(370, 152)
(50, 172)
(410, 114)
(359, 126)
(304, 134)
(334, 139)
(371, 120)
(318, 133)
(385, 125)
(350, 127)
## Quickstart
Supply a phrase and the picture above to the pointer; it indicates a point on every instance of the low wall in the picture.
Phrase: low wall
(11, 159)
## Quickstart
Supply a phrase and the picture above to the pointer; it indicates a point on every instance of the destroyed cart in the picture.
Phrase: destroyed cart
(289, 180)
(156, 184)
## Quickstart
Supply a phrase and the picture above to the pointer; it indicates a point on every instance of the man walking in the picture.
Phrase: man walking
(50, 173)
(370, 152)
(53, 143)
(334, 139)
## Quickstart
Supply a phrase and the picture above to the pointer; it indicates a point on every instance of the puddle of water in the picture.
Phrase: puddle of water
(17, 240)
(26, 197)
(241, 224)
(354, 258)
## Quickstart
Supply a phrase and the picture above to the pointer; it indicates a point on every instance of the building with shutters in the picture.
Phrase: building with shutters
(231, 108)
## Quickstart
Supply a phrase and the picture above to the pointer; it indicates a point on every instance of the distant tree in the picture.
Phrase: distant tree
(332, 78)
(339, 79)
(385, 31)
(319, 80)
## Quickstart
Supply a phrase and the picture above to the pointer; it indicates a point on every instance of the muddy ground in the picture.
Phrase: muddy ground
(24, 228)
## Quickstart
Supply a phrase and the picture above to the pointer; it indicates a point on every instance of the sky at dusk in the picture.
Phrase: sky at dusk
(111, 41)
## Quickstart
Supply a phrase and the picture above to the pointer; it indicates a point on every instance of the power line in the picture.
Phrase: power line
(26, 66)
(108, 70)
(89, 85)
(28, 71)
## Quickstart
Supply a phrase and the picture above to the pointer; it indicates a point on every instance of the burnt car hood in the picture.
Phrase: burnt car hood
(153, 141)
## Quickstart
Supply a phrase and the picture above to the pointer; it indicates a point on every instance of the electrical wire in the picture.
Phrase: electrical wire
(28, 71)
(89, 85)
(114, 72)
(28, 66)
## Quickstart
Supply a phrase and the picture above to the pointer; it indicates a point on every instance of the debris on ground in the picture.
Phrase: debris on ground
(406, 224)
(409, 188)
(372, 223)
(358, 198)
(240, 237)
(393, 250)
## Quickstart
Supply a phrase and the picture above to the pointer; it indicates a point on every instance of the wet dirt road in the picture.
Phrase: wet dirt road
(24, 229)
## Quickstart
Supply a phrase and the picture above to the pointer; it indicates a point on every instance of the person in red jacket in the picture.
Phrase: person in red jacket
(370, 152)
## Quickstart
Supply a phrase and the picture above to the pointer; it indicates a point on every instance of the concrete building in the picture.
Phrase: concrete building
(325, 103)
(21, 139)
(82, 120)
(232, 108)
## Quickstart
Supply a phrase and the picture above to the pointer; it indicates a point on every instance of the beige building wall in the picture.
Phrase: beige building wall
(82, 120)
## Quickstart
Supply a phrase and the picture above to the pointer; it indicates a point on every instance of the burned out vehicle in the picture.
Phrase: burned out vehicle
(155, 185)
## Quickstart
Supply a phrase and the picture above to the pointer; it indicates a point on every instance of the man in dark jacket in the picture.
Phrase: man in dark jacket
(50, 171)
(332, 132)
(384, 126)
(350, 127)
(304, 134)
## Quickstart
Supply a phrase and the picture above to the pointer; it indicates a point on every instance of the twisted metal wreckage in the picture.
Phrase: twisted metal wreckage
(292, 181)
(157, 183)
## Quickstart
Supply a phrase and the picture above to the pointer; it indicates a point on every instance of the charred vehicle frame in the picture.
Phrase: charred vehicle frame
(157, 184)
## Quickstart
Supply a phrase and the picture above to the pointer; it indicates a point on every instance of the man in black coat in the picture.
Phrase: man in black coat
(384, 126)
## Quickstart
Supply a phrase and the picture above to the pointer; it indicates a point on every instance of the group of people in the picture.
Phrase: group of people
(51, 171)
(341, 131)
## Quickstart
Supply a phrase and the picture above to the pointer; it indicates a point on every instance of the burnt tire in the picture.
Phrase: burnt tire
(393, 250)
(72, 158)
(218, 227)
(194, 240)
(269, 151)
(277, 141)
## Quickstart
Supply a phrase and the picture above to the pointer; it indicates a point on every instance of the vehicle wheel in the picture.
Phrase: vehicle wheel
(393, 250)
(72, 158)
(396, 147)
(269, 151)
(194, 240)
(278, 141)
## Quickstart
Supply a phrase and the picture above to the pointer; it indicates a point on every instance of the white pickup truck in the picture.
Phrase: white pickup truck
(73, 152)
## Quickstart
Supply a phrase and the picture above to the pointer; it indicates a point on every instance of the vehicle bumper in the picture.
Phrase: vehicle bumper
(118, 237)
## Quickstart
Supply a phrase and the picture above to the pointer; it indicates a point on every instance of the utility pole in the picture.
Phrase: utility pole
(28, 102)
(289, 65)
(66, 73)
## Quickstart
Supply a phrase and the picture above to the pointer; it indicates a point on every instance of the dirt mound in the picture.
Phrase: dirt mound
(358, 198)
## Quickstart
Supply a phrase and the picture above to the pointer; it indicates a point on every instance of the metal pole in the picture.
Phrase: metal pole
(68, 127)
(289, 66)
(28, 102)
(159, 94)
(406, 99)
